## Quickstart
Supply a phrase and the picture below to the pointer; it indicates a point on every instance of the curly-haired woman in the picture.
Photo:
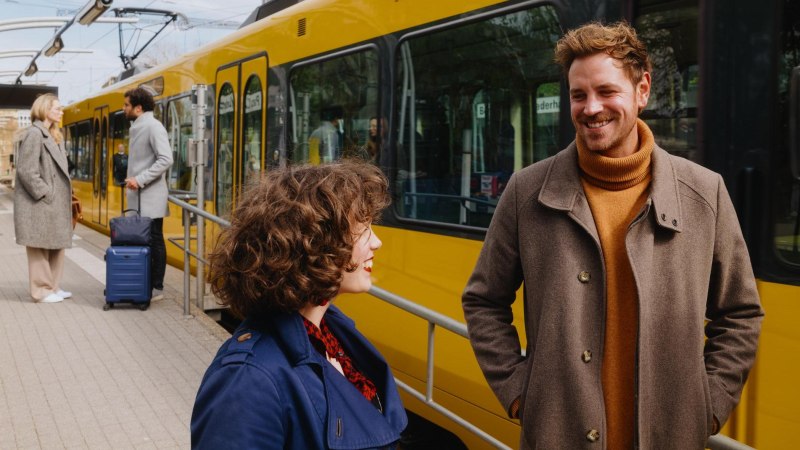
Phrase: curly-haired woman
(297, 374)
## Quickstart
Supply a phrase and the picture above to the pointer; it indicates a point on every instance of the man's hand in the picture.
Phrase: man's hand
(131, 183)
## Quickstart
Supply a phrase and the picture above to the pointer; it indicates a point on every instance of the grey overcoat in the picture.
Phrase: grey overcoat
(149, 159)
(43, 192)
(689, 262)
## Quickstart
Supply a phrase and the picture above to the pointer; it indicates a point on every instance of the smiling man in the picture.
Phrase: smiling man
(647, 249)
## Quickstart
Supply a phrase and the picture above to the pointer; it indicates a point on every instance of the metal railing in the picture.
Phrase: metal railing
(433, 318)
(188, 211)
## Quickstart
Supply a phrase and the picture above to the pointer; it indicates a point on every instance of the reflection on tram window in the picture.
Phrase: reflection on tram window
(120, 126)
(332, 102)
(463, 132)
(225, 130)
(276, 110)
(179, 129)
(69, 145)
(82, 152)
(252, 126)
(786, 216)
(671, 35)
(103, 160)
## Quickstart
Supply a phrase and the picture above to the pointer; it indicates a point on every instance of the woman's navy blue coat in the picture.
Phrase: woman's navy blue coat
(273, 390)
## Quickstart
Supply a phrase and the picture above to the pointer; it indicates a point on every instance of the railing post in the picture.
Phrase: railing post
(199, 130)
(186, 269)
(429, 381)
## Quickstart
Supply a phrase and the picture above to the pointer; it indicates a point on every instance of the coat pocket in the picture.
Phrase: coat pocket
(48, 198)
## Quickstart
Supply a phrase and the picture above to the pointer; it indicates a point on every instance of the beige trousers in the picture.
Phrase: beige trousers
(45, 267)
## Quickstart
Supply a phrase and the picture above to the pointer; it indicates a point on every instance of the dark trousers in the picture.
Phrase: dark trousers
(158, 254)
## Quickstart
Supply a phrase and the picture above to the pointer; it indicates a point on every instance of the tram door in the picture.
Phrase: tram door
(252, 114)
(226, 139)
(100, 166)
(240, 129)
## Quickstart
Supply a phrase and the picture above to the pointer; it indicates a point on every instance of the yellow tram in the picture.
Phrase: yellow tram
(460, 94)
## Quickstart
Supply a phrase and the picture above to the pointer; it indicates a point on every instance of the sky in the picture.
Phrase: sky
(77, 75)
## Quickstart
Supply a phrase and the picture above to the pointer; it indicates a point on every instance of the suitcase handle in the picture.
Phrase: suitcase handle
(138, 206)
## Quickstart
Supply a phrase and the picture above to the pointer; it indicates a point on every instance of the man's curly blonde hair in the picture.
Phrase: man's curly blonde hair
(618, 40)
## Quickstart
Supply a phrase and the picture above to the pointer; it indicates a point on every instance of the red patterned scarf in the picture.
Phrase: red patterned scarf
(325, 342)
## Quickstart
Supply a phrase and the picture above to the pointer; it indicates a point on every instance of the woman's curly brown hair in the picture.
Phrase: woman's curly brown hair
(618, 40)
(292, 236)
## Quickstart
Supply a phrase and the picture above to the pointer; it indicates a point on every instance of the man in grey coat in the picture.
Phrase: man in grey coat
(149, 159)
(648, 260)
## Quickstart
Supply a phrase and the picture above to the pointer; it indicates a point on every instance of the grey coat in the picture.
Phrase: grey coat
(43, 193)
(149, 159)
(689, 262)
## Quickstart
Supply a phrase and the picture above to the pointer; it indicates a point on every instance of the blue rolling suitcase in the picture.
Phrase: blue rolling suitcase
(127, 276)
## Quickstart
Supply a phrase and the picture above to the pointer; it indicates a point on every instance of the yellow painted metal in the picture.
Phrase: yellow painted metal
(773, 400)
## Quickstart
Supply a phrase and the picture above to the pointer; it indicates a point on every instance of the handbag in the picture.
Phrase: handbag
(77, 211)
(131, 230)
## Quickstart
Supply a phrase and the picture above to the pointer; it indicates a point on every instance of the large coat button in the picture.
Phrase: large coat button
(587, 356)
(584, 277)
(593, 436)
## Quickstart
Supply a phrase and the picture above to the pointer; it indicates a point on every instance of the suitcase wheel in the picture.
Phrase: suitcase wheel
(144, 306)
(108, 306)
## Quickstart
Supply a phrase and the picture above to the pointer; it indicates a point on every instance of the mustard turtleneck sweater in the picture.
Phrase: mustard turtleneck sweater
(617, 189)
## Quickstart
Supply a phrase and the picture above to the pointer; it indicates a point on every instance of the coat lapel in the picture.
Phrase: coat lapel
(562, 190)
(56, 151)
(352, 422)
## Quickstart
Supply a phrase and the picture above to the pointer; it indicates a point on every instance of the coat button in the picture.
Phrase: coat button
(593, 436)
(664, 217)
(674, 222)
(587, 356)
(584, 277)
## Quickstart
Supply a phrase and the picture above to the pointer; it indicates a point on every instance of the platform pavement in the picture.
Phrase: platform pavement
(74, 376)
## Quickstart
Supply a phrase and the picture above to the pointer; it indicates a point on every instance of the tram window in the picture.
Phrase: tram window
(786, 215)
(670, 30)
(83, 151)
(69, 144)
(119, 126)
(331, 104)
(103, 174)
(179, 129)
(208, 175)
(253, 124)
(225, 116)
(155, 86)
(158, 112)
(462, 133)
(276, 111)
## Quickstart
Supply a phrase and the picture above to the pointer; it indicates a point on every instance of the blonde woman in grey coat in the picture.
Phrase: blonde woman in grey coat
(42, 200)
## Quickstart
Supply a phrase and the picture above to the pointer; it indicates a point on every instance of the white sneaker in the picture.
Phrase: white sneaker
(52, 298)
(63, 294)
(158, 294)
